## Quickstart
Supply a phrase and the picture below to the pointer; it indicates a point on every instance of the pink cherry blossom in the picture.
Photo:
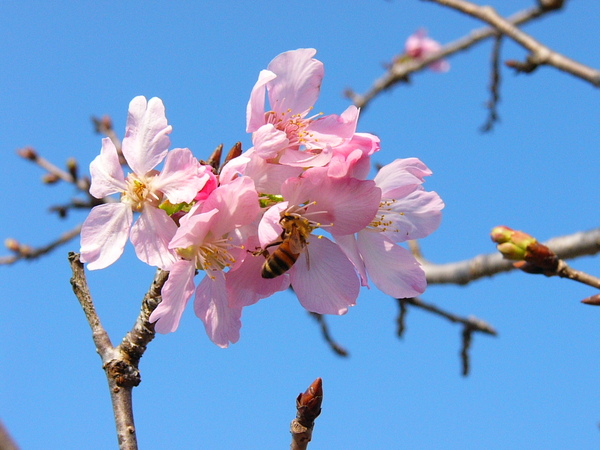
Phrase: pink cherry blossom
(214, 237)
(406, 211)
(105, 231)
(284, 134)
(418, 46)
(323, 277)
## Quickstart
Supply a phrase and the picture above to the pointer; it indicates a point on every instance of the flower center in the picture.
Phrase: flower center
(293, 125)
(384, 219)
(210, 256)
(139, 191)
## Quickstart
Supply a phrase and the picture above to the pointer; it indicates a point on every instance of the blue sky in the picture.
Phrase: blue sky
(533, 386)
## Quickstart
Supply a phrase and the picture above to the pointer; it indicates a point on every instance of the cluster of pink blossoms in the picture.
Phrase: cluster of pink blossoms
(258, 226)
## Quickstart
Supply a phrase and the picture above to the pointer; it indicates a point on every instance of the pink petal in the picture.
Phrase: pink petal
(441, 65)
(393, 269)
(269, 141)
(176, 293)
(107, 173)
(151, 235)
(255, 111)
(400, 177)
(305, 158)
(329, 285)
(104, 234)
(221, 321)
(333, 130)
(415, 43)
(182, 177)
(146, 142)
(298, 81)
(269, 228)
(237, 203)
(348, 203)
(267, 177)
(353, 157)
(350, 248)
(246, 286)
(417, 216)
(193, 229)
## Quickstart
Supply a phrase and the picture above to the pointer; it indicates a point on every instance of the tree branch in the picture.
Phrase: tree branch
(6, 441)
(337, 348)
(463, 272)
(119, 363)
(539, 53)
(70, 176)
(470, 325)
(399, 72)
(23, 251)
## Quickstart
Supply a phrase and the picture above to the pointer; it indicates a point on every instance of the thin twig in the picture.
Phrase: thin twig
(492, 104)
(539, 53)
(401, 321)
(473, 323)
(337, 348)
(83, 184)
(470, 325)
(23, 251)
(564, 271)
(137, 339)
(104, 126)
(467, 339)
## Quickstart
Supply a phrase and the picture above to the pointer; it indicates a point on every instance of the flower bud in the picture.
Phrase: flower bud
(27, 153)
(501, 234)
(593, 300)
(73, 168)
(512, 244)
(308, 403)
(12, 245)
(511, 251)
(520, 246)
(50, 178)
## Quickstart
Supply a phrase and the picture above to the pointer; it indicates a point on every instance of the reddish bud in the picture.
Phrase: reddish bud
(27, 153)
(541, 256)
(106, 122)
(235, 151)
(215, 159)
(519, 246)
(549, 5)
(593, 300)
(12, 245)
(103, 125)
(308, 404)
(50, 178)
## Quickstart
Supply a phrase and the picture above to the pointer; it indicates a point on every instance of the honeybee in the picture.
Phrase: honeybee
(296, 230)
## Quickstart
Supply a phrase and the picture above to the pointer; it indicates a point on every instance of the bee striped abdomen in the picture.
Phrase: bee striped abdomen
(279, 262)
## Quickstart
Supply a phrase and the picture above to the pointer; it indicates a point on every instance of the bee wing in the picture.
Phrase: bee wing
(296, 241)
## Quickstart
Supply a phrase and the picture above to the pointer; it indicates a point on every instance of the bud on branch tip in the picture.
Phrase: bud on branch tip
(532, 256)
(309, 402)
